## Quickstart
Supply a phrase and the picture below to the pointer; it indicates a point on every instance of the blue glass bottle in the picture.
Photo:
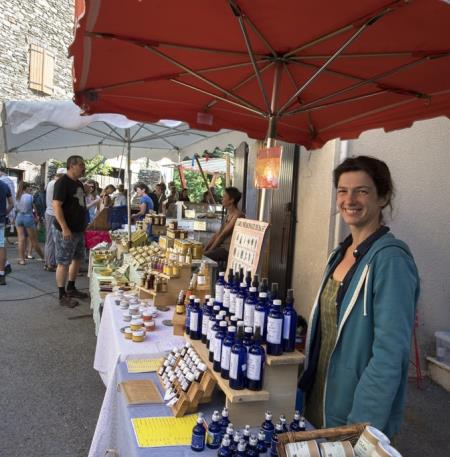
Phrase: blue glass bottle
(188, 314)
(230, 430)
(212, 320)
(212, 342)
(226, 352)
(249, 306)
(255, 282)
(207, 309)
(274, 329)
(238, 362)
(235, 441)
(261, 314)
(225, 449)
(255, 363)
(234, 293)
(198, 435)
(268, 428)
(227, 290)
(261, 446)
(295, 424)
(246, 433)
(252, 447)
(274, 442)
(213, 435)
(241, 274)
(289, 323)
(220, 286)
(241, 449)
(220, 336)
(283, 423)
(195, 321)
(302, 424)
(240, 299)
(224, 421)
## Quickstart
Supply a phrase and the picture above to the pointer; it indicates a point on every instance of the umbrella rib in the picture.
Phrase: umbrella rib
(198, 76)
(33, 139)
(141, 126)
(330, 60)
(375, 15)
(114, 130)
(171, 131)
(361, 83)
(100, 133)
(242, 83)
(358, 55)
(377, 110)
(253, 61)
(203, 91)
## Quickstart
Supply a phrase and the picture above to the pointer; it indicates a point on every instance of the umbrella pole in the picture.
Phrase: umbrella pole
(128, 139)
(271, 137)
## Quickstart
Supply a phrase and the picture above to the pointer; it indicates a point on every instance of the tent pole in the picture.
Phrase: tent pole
(128, 140)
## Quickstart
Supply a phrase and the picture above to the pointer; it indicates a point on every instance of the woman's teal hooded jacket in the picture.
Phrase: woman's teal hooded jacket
(368, 368)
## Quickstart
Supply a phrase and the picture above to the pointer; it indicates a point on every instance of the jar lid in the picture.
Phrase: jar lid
(128, 330)
(138, 333)
(137, 321)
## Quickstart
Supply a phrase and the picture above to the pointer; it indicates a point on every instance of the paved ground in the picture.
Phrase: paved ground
(50, 395)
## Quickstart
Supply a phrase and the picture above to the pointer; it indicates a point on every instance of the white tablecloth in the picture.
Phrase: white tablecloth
(112, 346)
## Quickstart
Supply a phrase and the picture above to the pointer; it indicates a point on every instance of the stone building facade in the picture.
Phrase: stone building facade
(38, 24)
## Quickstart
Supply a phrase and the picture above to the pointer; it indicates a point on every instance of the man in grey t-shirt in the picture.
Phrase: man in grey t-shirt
(50, 261)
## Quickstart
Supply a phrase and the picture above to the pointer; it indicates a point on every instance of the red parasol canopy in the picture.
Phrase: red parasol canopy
(316, 69)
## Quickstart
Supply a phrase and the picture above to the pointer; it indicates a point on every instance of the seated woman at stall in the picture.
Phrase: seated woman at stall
(218, 246)
(145, 202)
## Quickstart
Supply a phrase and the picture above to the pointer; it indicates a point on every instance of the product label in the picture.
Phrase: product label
(226, 298)
(234, 362)
(212, 341)
(193, 322)
(364, 447)
(217, 350)
(219, 292)
(335, 449)
(205, 322)
(225, 360)
(201, 280)
(239, 311)
(210, 326)
(258, 320)
(254, 364)
(232, 303)
(286, 326)
(213, 438)
(274, 327)
(302, 449)
(249, 315)
(198, 442)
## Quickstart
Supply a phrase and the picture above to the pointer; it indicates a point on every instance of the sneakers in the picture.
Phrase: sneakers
(65, 300)
(75, 293)
(2, 280)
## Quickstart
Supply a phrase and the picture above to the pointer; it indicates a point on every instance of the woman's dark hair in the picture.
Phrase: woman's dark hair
(142, 185)
(22, 187)
(234, 193)
(375, 168)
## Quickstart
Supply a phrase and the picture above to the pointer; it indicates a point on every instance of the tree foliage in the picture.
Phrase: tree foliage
(95, 166)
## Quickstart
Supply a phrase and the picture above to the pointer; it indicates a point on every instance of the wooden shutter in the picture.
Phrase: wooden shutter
(42, 63)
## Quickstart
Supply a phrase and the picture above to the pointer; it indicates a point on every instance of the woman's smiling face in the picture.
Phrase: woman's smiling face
(357, 199)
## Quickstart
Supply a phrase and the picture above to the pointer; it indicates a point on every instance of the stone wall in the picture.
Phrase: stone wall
(47, 23)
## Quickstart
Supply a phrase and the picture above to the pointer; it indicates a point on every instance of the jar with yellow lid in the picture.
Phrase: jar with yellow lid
(128, 333)
(136, 324)
(138, 336)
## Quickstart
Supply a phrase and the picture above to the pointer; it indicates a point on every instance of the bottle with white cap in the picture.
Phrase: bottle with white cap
(275, 329)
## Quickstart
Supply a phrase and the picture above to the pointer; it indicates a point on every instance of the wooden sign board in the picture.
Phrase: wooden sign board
(246, 245)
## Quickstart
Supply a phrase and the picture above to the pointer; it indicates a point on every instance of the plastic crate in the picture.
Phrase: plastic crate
(443, 347)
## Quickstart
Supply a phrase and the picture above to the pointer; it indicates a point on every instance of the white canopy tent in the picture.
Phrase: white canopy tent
(40, 130)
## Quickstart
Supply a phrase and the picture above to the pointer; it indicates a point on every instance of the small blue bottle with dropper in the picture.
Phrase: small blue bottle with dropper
(225, 449)
(213, 435)
(198, 435)
(268, 428)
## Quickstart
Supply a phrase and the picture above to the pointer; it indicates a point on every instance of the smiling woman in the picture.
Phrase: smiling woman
(358, 343)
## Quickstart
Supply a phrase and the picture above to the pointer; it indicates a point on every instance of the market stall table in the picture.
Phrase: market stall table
(111, 344)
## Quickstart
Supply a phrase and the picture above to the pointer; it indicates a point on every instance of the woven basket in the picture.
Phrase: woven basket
(345, 433)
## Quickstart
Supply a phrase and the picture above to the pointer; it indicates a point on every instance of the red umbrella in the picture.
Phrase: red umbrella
(312, 69)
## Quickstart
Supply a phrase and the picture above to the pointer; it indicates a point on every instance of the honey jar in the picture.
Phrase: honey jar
(138, 336)
(128, 333)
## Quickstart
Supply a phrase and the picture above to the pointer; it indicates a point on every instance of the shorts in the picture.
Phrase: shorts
(25, 220)
(2, 235)
(68, 250)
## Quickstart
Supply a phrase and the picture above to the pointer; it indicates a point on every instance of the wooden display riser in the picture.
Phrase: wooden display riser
(174, 285)
(278, 396)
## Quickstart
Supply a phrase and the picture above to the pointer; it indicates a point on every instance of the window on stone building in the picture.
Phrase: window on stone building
(42, 63)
